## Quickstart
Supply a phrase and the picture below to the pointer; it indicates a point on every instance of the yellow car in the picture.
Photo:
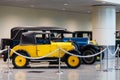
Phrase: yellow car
(36, 44)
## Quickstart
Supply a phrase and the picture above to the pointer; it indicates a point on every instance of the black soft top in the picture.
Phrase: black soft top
(29, 37)
(82, 32)
(16, 32)
(38, 28)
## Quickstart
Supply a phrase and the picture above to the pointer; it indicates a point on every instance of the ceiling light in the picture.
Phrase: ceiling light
(65, 4)
(88, 11)
(32, 6)
(103, 2)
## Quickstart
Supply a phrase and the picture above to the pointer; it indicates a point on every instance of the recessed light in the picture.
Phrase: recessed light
(102, 1)
(88, 11)
(65, 4)
(32, 6)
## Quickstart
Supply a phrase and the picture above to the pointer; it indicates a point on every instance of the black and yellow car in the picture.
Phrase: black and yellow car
(34, 45)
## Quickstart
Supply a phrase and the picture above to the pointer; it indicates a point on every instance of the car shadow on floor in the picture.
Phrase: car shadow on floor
(44, 67)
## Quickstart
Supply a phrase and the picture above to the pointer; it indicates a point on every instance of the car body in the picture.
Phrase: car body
(34, 45)
(82, 43)
(16, 34)
(88, 34)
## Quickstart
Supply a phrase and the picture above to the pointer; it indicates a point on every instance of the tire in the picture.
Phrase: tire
(73, 61)
(19, 61)
(90, 60)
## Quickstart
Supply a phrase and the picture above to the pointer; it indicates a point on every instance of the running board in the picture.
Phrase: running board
(43, 60)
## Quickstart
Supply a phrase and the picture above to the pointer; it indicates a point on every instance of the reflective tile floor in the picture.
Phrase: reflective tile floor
(41, 71)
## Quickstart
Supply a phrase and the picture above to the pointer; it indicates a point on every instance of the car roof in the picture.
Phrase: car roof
(40, 28)
(34, 33)
(82, 31)
(17, 31)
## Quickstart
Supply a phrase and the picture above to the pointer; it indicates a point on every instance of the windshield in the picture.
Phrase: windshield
(61, 35)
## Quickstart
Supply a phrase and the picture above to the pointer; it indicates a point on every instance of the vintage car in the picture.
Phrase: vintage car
(16, 33)
(82, 43)
(38, 44)
(88, 34)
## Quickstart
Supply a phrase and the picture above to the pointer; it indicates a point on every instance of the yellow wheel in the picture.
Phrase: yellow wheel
(19, 61)
(73, 61)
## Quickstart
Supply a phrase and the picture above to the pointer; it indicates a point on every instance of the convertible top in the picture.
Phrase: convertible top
(29, 37)
(38, 28)
(17, 31)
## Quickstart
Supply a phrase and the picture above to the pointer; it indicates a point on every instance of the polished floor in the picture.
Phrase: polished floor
(43, 71)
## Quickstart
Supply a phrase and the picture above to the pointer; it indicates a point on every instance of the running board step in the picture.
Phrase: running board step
(44, 60)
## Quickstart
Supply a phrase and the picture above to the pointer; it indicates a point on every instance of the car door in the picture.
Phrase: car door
(53, 48)
(42, 45)
(43, 49)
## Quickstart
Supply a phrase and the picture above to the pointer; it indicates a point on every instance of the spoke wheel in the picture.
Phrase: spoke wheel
(19, 61)
(73, 61)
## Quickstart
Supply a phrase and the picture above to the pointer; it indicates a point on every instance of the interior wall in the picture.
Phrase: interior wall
(14, 16)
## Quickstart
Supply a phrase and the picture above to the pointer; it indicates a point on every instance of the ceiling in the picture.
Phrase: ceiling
(65, 5)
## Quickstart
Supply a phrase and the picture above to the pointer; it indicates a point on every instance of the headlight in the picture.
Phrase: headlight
(93, 42)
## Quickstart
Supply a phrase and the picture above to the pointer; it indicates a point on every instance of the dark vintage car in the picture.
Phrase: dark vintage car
(88, 34)
(82, 45)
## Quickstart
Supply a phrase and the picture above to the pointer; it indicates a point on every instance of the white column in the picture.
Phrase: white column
(104, 27)
(104, 23)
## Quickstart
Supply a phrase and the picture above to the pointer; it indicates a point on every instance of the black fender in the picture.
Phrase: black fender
(94, 48)
(90, 46)
(89, 50)
(75, 45)
(5, 54)
(22, 52)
